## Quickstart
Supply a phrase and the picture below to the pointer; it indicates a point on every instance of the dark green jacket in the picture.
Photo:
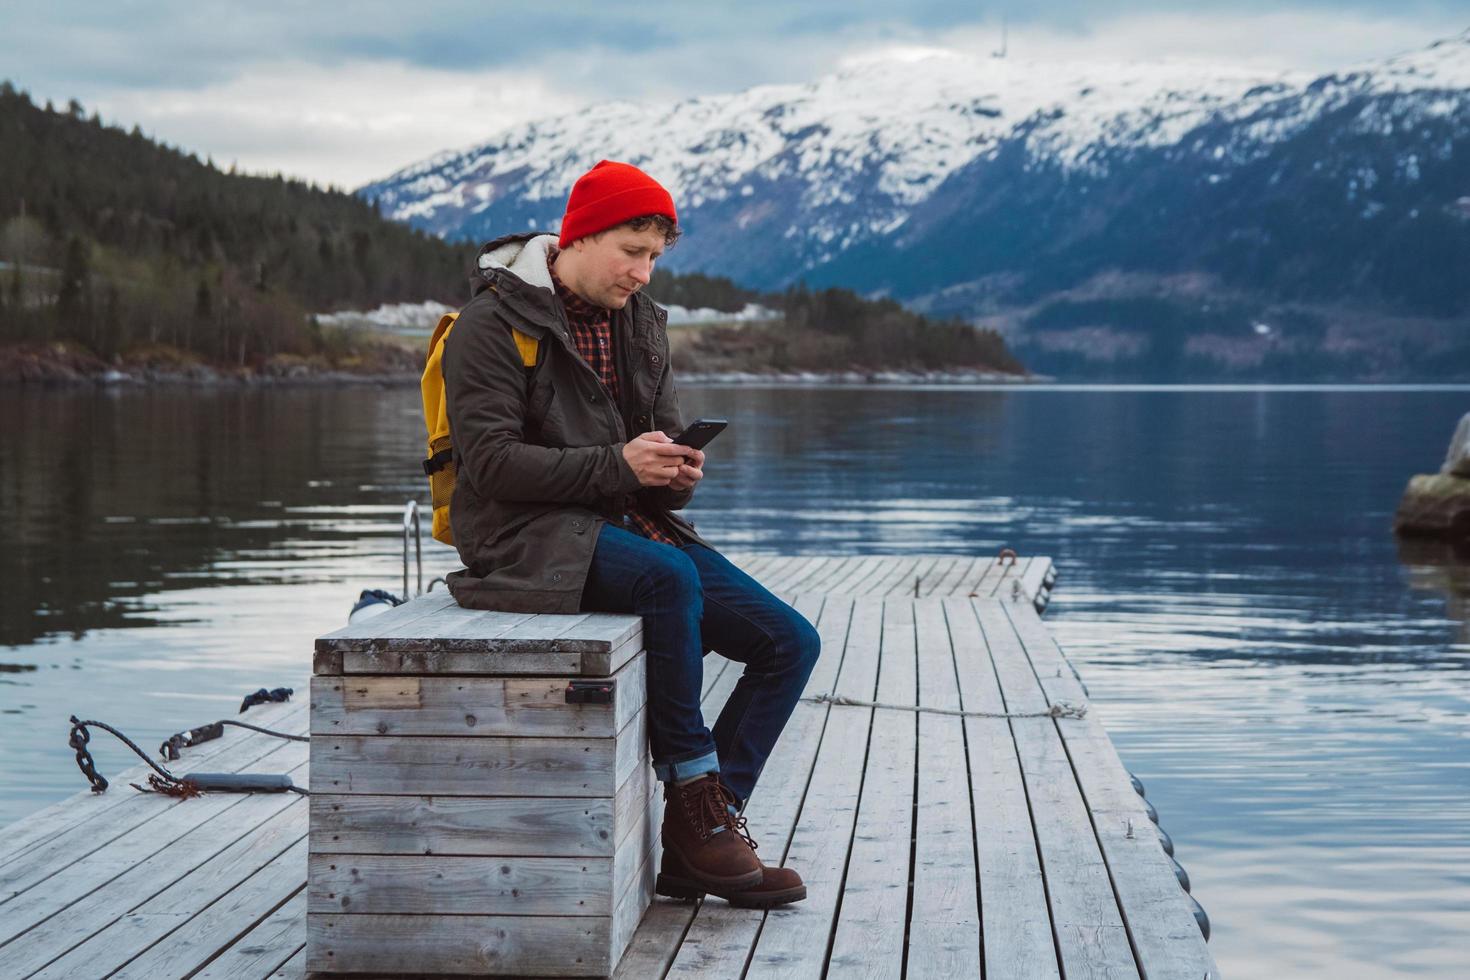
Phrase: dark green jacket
(540, 457)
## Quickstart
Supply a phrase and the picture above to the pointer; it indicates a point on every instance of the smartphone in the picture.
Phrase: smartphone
(700, 432)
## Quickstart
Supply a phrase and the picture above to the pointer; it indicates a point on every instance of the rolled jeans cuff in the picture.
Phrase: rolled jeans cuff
(667, 772)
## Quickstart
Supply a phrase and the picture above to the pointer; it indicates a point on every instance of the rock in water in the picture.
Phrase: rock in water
(1435, 504)
(1438, 504)
(1457, 460)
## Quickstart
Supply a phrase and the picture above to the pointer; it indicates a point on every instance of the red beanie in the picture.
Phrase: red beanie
(609, 194)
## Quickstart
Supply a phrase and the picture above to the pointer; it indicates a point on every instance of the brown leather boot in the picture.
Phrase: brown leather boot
(718, 862)
(779, 886)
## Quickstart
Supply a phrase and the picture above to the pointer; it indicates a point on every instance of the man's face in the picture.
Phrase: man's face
(616, 264)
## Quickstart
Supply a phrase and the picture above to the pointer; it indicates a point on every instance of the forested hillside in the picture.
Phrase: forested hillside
(116, 250)
(117, 243)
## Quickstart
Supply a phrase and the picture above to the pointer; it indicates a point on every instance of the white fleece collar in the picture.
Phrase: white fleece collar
(526, 259)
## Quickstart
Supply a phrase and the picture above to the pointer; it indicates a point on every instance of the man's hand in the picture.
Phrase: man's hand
(658, 460)
(691, 471)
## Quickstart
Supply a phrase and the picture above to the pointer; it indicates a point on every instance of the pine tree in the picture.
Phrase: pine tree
(71, 299)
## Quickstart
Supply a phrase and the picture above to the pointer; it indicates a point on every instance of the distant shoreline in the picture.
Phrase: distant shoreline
(62, 367)
(142, 380)
(114, 378)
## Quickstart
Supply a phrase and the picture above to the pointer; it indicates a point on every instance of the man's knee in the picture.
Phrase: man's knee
(803, 643)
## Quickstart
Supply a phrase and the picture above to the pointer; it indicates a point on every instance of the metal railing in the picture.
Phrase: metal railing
(413, 528)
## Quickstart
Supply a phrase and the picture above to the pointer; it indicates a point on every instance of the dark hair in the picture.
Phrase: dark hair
(643, 222)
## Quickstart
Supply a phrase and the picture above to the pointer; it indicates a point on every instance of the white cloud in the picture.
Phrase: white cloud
(346, 124)
(1306, 39)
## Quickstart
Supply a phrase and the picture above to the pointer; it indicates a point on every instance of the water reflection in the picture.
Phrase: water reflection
(1441, 567)
(1288, 680)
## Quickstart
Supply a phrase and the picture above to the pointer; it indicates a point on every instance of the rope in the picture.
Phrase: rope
(265, 731)
(1061, 709)
(161, 779)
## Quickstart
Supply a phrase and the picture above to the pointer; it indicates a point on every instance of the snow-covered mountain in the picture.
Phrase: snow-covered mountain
(999, 188)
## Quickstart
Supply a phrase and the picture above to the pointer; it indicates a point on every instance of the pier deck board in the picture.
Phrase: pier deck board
(931, 844)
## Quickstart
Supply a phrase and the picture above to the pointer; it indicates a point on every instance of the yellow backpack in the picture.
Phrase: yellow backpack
(440, 465)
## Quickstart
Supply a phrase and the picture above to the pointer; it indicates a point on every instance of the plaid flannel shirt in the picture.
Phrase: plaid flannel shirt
(592, 335)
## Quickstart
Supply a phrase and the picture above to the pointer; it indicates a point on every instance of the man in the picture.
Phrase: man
(567, 496)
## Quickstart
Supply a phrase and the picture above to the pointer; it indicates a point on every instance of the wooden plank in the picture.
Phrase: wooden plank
(399, 616)
(551, 657)
(955, 579)
(934, 583)
(471, 706)
(97, 937)
(464, 766)
(892, 569)
(812, 567)
(634, 901)
(412, 884)
(130, 809)
(189, 945)
(495, 766)
(1015, 919)
(756, 568)
(530, 945)
(266, 947)
(714, 666)
(904, 587)
(795, 943)
(873, 915)
(821, 582)
(942, 566)
(859, 572)
(143, 856)
(1158, 916)
(989, 574)
(944, 924)
(657, 937)
(1086, 921)
(1000, 585)
(783, 574)
(1032, 581)
(21, 838)
(456, 627)
(473, 630)
(421, 633)
(294, 968)
(772, 567)
(472, 825)
(719, 692)
(896, 569)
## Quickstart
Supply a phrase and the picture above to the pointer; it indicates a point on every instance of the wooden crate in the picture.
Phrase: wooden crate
(465, 817)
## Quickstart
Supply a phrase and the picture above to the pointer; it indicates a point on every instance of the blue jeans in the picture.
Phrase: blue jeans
(692, 599)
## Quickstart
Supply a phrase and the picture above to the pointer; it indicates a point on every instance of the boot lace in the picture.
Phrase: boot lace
(712, 808)
(739, 827)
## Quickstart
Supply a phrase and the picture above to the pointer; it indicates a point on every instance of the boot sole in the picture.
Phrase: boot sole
(673, 886)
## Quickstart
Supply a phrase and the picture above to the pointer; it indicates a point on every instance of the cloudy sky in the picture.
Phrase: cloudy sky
(348, 92)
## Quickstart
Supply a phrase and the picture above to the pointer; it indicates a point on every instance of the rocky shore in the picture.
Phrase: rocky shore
(63, 364)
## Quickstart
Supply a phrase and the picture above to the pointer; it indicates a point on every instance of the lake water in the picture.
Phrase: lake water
(1290, 684)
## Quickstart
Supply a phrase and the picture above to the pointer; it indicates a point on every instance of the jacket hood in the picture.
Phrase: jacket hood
(522, 255)
(515, 266)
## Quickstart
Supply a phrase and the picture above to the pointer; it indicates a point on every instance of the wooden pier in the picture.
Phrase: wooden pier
(998, 833)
